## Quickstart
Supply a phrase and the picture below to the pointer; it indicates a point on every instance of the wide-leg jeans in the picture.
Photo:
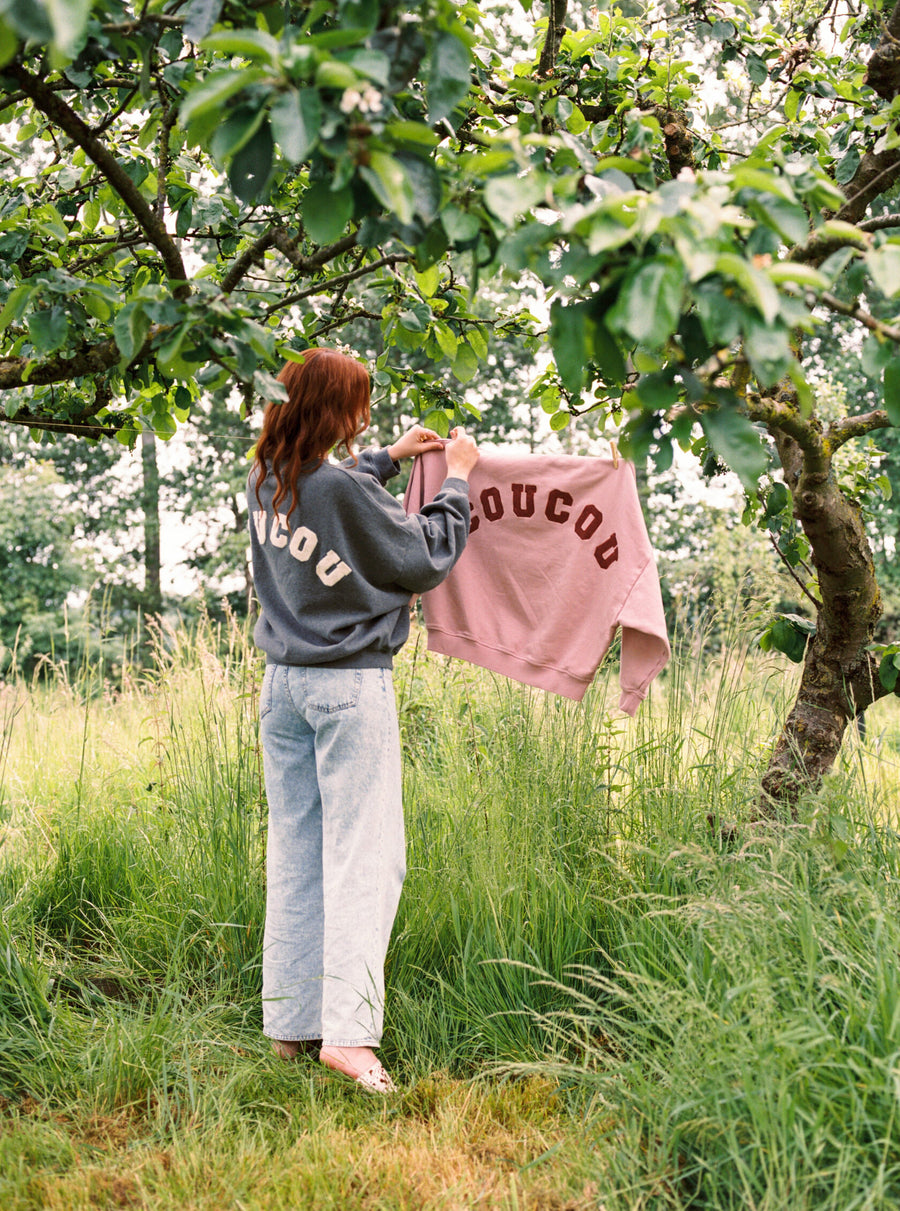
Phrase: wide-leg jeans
(335, 856)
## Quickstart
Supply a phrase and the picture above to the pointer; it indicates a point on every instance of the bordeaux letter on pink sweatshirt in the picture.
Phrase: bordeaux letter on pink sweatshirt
(558, 557)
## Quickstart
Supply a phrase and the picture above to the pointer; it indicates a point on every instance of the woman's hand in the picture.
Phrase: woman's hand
(462, 454)
(416, 441)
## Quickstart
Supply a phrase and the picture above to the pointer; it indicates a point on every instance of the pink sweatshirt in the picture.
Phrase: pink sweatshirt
(558, 557)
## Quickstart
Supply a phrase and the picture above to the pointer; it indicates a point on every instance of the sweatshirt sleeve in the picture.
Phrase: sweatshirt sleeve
(443, 529)
(414, 552)
(377, 463)
(645, 645)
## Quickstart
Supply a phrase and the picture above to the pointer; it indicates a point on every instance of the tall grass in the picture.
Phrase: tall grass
(719, 1011)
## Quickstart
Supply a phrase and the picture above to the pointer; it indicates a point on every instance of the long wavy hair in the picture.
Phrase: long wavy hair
(327, 408)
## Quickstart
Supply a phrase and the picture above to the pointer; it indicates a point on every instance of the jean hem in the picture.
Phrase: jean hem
(291, 1038)
(367, 1042)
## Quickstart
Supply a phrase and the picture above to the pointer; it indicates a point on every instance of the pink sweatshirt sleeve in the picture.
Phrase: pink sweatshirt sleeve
(645, 646)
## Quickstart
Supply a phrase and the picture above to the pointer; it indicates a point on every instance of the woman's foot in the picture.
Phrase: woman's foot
(360, 1063)
(289, 1049)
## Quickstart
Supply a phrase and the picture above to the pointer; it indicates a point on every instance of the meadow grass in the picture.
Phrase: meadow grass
(598, 996)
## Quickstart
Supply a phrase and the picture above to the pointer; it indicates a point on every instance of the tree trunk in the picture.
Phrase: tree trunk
(152, 596)
(840, 676)
(556, 28)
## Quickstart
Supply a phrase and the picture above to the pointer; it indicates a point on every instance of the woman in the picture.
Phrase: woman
(335, 560)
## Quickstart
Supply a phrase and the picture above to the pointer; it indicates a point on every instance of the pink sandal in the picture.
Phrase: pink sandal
(376, 1079)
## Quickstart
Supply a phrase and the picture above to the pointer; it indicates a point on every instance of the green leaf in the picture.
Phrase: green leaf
(387, 179)
(90, 214)
(460, 226)
(559, 420)
(846, 167)
(331, 73)
(48, 329)
(248, 173)
(478, 341)
(768, 350)
(445, 339)
(568, 340)
(9, 43)
(416, 317)
(69, 19)
(789, 219)
(425, 183)
(249, 43)
(607, 353)
(213, 91)
(326, 212)
(448, 75)
(509, 196)
(888, 673)
(15, 305)
(749, 176)
(757, 287)
(130, 327)
(792, 104)
(875, 355)
(892, 390)
(784, 634)
(428, 280)
(465, 365)
(438, 421)
(737, 443)
(658, 391)
(803, 275)
(199, 18)
(649, 304)
(296, 118)
(373, 64)
(884, 266)
(412, 132)
(236, 130)
(757, 68)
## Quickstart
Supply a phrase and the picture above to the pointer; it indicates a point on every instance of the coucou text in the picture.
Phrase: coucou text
(557, 508)
(301, 543)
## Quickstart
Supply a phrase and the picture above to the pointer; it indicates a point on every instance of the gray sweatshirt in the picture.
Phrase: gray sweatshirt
(334, 580)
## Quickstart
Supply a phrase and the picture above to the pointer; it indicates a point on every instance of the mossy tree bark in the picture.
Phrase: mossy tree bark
(840, 674)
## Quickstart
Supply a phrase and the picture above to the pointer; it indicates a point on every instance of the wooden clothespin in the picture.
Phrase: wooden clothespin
(614, 451)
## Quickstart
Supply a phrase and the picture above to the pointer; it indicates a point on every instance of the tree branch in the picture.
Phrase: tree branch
(841, 431)
(880, 222)
(59, 113)
(249, 257)
(344, 319)
(131, 27)
(397, 258)
(556, 28)
(817, 247)
(783, 416)
(857, 313)
(164, 159)
(883, 72)
(87, 361)
(875, 175)
(307, 264)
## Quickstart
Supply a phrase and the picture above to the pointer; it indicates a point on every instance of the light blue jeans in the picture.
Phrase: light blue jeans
(335, 863)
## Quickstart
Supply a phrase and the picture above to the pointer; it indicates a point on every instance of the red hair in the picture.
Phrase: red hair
(327, 407)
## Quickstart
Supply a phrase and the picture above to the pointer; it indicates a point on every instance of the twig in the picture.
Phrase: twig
(781, 555)
(857, 313)
(322, 287)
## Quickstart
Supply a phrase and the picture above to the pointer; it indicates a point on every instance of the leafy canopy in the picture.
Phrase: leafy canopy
(194, 192)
